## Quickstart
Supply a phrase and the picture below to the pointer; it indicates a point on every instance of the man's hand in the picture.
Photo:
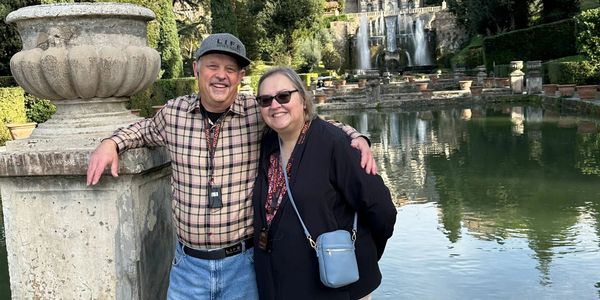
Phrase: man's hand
(367, 161)
(104, 155)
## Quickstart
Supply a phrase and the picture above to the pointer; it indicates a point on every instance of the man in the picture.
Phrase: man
(213, 139)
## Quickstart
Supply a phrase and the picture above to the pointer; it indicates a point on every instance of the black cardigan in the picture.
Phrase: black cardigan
(328, 186)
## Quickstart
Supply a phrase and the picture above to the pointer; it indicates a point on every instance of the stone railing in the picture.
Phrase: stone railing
(385, 13)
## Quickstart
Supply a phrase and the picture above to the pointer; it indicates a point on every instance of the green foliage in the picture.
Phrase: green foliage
(223, 16)
(307, 77)
(38, 110)
(554, 10)
(331, 58)
(490, 17)
(309, 55)
(471, 56)
(279, 26)
(10, 42)
(541, 42)
(573, 72)
(7, 81)
(161, 91)
(162, 35)
(588, 34)
(12, 110)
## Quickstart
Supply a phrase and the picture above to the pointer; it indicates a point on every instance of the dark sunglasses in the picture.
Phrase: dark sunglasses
(282, 97)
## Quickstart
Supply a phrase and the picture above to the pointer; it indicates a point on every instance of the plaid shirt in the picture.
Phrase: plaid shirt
(180, 127)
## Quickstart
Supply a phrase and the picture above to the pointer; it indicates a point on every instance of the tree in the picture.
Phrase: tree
(223, 16)
(11, 41)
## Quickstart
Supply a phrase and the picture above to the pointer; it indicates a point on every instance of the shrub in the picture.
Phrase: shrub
(577, 72)
(161, 91)
(38, 110)
(588, 34)
(331, 58)
(543, 42)
(12, 110)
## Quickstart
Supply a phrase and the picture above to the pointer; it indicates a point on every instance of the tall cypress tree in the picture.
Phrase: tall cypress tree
(223, 15)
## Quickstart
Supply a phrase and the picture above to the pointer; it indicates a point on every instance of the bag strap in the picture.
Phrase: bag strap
(289, 192)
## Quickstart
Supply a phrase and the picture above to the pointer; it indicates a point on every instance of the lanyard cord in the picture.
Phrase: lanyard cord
(212, 131)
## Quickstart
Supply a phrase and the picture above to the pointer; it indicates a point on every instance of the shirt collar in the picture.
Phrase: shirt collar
(238, 106)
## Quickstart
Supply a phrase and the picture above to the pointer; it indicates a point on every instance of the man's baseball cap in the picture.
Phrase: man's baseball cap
(225, 43)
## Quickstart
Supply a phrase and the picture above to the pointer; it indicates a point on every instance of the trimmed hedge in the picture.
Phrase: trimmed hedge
(12, 110)
(307, 77)
(161, 91)
(572, 72)
(543, 42)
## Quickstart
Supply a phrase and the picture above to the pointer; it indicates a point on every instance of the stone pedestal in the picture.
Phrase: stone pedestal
(516, 77)
(69, 241)
(534, 77)
(66, 240)
(481, 75)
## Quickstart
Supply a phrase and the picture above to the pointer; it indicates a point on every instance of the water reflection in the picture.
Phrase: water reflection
(513, 190)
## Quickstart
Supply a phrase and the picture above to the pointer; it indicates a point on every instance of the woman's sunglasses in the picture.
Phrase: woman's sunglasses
(282, 97)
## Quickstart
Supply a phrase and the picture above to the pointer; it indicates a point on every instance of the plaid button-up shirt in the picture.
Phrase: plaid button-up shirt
(180, 127)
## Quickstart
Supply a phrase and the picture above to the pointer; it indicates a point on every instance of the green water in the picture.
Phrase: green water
(493, 203)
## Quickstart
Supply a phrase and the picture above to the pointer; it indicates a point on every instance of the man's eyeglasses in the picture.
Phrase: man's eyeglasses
(282, 97)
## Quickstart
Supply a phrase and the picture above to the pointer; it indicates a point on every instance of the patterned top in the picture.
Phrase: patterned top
(180, 126)
(277, 188)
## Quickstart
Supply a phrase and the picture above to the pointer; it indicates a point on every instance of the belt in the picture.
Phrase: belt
(219, 253)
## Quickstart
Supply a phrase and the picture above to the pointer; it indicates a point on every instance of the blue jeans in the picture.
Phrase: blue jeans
(228, 278)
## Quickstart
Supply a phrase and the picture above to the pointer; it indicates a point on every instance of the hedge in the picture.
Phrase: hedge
(572, 72)
(588, 34)
(543, 42)
(161, 91)
(12, 110)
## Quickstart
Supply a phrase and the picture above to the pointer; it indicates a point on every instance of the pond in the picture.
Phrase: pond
(493, 203)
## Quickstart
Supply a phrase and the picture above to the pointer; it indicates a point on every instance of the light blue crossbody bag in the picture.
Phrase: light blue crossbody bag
(335, 249)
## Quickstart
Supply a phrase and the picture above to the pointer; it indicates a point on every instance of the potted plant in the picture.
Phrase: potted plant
(476, 90)
(21, 130)
(550, 89)
(566, 90)
(465, 85)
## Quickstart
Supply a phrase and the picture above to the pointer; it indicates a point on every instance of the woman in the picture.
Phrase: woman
(327, 186)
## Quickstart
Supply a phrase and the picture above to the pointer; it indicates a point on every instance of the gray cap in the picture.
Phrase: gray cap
(223, 43)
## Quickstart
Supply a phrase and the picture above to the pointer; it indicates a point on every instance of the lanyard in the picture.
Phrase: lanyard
(212, 131)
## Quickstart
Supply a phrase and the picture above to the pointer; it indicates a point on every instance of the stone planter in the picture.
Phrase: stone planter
(362, 83)
(502, 82)
(21, 131)
(587, 92)
(156, 108)
(465, 85)
(566, 90)
(476, 90)
(136, 111)
(88, 58)
(320, 98)
(421, 85)
(488, 83)
(550, 89)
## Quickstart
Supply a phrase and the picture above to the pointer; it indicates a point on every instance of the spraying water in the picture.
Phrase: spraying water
(362, 43)
(421, 56)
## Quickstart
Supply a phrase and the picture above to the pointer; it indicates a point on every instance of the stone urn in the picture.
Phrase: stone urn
(566, 90)
(516, 65)
(549, 89)
(587, 92)
(476, 90)
(88, 59)
(465, 85)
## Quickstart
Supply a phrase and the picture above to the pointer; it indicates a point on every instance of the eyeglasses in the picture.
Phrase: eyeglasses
(282, 97)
